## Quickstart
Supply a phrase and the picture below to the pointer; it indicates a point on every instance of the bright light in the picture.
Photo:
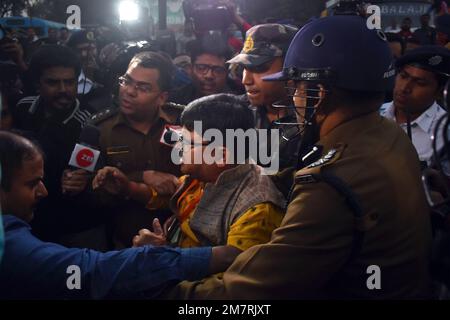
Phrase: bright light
(128, 11)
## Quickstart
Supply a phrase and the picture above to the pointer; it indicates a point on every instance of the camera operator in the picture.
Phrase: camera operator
(217, 15)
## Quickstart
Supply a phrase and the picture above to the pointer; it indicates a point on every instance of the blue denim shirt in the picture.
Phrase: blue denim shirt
(32, 269)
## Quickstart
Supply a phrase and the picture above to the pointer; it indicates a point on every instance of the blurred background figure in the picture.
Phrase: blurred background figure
(83, 43)
(443, 30)
(64, 35)
(405, 31)
(425, 34)
(393, 27)
(6, 119)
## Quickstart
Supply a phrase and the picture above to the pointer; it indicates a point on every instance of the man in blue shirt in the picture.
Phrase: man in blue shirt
(34, 269)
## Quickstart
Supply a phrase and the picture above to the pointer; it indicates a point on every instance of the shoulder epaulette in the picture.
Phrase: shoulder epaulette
(171, 112)
(103, 115)
(306, 175)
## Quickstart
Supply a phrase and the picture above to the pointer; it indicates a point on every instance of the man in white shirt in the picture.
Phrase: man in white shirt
(422, 74)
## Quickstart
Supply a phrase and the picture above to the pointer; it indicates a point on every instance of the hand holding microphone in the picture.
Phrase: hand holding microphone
(83, 160)
(74, 182)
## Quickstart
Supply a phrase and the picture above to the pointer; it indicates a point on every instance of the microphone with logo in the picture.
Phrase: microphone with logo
(85, 155)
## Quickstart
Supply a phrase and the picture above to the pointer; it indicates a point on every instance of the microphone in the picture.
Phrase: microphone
(85, 153)
(170, 135)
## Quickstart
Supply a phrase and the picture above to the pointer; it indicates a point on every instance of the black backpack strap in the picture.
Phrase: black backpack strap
(353, 203)
(351, 200)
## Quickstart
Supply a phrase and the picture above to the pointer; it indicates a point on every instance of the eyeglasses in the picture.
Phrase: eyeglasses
(204, 68)
(139, 87)
(189, 144)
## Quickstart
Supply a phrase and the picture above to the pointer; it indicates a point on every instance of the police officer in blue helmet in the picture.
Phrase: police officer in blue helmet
(357, 223)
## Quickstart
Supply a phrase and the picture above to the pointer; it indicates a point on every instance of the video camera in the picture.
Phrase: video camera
(207, 15)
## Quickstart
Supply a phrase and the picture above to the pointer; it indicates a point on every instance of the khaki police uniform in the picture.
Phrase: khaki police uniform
(323, 248)
(133, 152)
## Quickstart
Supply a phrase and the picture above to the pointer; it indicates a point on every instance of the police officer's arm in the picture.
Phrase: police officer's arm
(116, 182)
(162, 182)
(312, 243)
(165, 184)
(237, 19)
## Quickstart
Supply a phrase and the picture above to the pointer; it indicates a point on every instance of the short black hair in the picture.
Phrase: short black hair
(14, 150)
(441, 79)
(213, 45)
(221, 112)
(50, 56)
(154, 60)
(218, 111)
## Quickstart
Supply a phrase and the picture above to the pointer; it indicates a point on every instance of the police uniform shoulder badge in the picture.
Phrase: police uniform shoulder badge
(103, 115)
(435, 60)
(325, 159)
(171, 112)
(310, 173)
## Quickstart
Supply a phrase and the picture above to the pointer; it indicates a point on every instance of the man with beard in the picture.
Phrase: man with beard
(55, 118)
(422, 74)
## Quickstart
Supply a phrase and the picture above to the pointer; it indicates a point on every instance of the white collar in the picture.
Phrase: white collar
(424, 121)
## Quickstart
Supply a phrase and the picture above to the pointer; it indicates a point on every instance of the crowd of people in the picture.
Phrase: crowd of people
(359, 123)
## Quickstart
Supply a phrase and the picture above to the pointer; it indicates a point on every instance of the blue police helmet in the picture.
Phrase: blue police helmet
(342, 51)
